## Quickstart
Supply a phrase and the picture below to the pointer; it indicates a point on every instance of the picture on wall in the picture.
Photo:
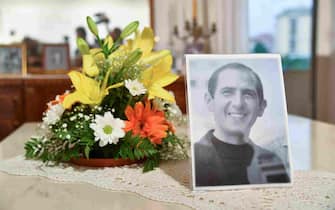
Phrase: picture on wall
(56, 57)
(13, 59)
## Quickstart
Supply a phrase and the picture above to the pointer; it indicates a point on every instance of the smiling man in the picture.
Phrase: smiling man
(226, 155)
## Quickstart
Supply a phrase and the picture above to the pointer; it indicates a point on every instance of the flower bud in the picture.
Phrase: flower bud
(129, 29)
(83, 46)
(92, 26)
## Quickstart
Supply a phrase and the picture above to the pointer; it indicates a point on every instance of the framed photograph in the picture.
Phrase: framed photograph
(55, 58)
(238, 121)
(13, 59)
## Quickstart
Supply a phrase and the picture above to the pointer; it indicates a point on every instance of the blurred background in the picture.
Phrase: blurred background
(37, 45)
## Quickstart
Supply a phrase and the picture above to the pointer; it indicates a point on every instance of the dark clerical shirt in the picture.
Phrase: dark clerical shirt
(235, 159)
(218, 163)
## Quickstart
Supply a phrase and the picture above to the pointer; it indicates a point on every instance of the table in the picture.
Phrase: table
(312, 144)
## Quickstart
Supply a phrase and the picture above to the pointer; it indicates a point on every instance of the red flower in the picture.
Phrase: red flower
(146, 122)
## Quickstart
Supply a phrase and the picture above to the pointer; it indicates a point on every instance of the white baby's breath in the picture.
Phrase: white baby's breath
(107, 129)
(135, 87)
(53, 114)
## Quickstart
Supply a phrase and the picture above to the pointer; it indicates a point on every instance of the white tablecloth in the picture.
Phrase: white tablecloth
(171, 183)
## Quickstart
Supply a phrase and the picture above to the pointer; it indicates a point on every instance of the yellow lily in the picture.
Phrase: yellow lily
(88, 90)
(158, 76)
(145, 42)
(97, 54)
(89, 66)
(90, 61)
(109, 41)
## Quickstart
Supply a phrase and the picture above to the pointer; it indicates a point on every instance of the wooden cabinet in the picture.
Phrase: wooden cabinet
(11, 105)
(24, 98)
(38, 91)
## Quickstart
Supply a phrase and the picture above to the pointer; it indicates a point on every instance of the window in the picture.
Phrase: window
(283, 27)
(293, 35)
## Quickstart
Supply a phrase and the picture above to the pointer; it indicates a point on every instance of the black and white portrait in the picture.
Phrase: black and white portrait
(10, 59)
(238, 121)
(56, 57)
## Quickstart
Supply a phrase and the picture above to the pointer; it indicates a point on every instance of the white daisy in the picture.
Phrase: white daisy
(135, 87)
(53, 114)
(107, 129)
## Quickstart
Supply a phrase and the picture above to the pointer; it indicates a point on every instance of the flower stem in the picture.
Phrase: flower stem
(129, 101)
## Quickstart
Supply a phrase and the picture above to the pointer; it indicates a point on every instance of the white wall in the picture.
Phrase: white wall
(324, 28)
(49, 21)
(164, 19)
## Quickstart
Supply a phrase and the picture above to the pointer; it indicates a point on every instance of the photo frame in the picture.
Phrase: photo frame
(55, 58)
(13, 59)
(238, 122)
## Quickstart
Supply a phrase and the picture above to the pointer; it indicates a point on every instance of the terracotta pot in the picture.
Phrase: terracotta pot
(103, 162)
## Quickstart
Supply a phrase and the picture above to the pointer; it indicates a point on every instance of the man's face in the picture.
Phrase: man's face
(235, 104)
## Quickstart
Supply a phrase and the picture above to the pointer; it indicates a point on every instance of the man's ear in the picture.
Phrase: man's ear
(209, 102)
(262, 108)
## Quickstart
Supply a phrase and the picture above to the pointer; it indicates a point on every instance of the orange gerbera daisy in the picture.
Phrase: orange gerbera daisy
(59, 99)
(146, 122)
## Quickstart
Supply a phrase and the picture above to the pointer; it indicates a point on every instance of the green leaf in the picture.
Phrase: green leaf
(87, 152)
(171, 138)
(152, 151)
(129, 29)
(122, 152)
(92, 26)
(151, 163)
(130, 154)
(83, 46)
(33, 148)
(136, 154)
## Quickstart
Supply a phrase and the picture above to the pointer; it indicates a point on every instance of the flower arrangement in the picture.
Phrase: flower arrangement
(118, 108)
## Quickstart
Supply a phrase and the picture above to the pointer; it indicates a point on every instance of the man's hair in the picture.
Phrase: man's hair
(212, 82)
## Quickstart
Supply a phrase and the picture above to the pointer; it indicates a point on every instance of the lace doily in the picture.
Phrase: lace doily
(171, 183)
